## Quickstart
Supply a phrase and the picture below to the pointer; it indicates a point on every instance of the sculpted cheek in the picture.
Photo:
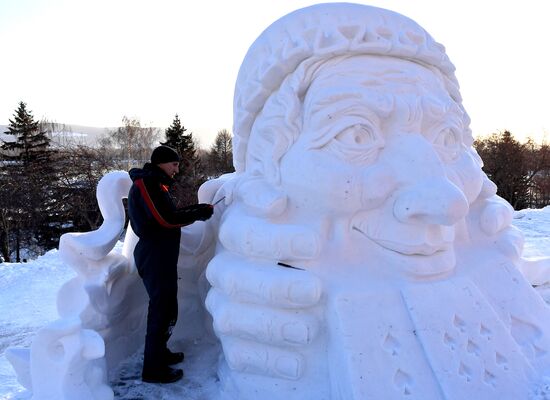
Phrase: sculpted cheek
(355, 189)
(342, 193)
(377, 184)
(315, 183)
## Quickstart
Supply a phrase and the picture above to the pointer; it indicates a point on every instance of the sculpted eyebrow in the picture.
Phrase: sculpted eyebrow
(332, 98)
(436, 109)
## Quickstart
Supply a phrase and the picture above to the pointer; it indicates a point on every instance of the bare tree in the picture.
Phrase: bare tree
(220, 157)
(131, 142)
(79, 170)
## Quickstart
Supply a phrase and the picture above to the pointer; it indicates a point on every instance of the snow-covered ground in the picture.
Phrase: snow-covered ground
(535, 225)
(27, 302)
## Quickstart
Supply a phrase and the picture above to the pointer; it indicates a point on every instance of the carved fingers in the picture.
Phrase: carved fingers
(491, 217)
(263, 314)
(496, 215)
(247, 228)
(254, 358)
(257, 237)
(263, 283)
(278, 327)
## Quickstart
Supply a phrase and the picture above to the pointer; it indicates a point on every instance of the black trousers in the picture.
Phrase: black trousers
(156, 262)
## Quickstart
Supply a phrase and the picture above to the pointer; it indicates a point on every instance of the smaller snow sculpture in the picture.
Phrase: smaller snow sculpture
(101, 311)
(103, 308)
(67, 363)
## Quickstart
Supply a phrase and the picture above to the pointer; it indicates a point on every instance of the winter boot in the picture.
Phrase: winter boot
(173, 358)
(161, 375)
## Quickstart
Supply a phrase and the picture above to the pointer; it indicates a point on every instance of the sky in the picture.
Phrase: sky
(84, 62)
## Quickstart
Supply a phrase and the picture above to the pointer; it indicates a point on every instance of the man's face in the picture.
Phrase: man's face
(382, 158)
(170, 168)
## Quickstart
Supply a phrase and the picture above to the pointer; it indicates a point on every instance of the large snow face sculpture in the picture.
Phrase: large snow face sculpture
(381, 156)
(363, 252)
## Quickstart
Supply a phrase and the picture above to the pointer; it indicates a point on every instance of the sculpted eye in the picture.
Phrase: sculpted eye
(356, 135)
(448, 143)
(358, 143)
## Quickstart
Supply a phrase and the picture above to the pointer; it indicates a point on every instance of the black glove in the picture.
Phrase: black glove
(204, 211)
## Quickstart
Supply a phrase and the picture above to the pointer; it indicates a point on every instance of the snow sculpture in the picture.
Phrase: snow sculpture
(360, 252)
(363, 253)
(102, 310)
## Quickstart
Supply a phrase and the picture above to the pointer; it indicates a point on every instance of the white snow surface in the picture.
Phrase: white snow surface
(27, 302)
(535, 225)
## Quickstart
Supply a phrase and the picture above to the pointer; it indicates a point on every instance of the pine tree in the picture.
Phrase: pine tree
(174, 134)
(8, 213)
(29, 174)
(190, 175)
(31, 143)
(184, 145)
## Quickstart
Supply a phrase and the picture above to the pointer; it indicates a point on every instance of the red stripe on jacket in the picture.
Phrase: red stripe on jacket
(145, 194)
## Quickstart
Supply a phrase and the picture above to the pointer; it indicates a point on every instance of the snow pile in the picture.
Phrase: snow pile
(535, 224)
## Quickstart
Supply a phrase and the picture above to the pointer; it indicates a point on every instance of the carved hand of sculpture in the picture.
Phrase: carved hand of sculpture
(491, 216)
(264, 313)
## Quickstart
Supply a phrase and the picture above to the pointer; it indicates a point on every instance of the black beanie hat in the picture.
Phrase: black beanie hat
(164, 154)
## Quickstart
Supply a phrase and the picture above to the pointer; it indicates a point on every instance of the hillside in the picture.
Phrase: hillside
(82, 134)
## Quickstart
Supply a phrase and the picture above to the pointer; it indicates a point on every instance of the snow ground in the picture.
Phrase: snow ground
(535, 225)
(27, 302)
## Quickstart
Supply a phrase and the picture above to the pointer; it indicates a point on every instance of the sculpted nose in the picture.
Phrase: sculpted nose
(436, 201)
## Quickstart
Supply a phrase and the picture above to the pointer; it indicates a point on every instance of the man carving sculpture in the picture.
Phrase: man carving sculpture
(157, 223)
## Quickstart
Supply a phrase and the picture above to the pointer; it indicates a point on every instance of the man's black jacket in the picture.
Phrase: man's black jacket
(152, 212)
